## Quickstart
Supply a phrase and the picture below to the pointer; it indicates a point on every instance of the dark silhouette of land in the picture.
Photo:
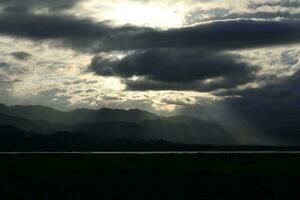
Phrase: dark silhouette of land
(39, 128)
(155, 177)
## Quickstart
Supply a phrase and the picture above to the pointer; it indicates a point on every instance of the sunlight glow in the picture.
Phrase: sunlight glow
(145, 15)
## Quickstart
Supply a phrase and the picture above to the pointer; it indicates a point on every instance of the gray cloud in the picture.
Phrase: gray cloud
(43, 27)
(280, 3)
(289, 57)
(220, 35)
(179, 102)
(6, 82)
(16, 9)
(161, 61)
(110, 98)
(90, 36)
(201, 86)
(28, 5)
(53, 97)
(21, 55)
(176, 69)
(90, 91)
(198, 16)
(4, 65)
(266, 114)
(277, 104)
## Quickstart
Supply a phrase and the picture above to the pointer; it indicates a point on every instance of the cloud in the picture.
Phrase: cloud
(278, 3)
(90, 36)
(200, 16)
(200, 86)
(219, 35)
(289, 57)
(80, 81)
(177, 69)
(267, 115)
(21, 55)
(4, 65)
(8, 80)
(32, 5)
(66, 31)
(53, 97)
(90, 91)
(16, 9)
(274, 107)
(178, 101)
(111, 98)
(43, 27)
(235, 34)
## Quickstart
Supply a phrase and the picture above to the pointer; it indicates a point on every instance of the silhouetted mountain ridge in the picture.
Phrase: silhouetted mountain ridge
(108, 123)
(76, 116)
(41, 126)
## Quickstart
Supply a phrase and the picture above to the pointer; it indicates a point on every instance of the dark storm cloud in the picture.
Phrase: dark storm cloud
(220, 35)
(284, 92)
(16, 9)
(263, 15)
(72, 32)
(236, 34)
(43, 27)
(275, 106)
(161, 61)
(28, 5)
(21, 55)
(171, 65)
(177, 69)
(272, 110)
(225, 82)
(86, 35)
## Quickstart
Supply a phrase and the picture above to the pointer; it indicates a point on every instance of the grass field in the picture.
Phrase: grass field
(143, 177)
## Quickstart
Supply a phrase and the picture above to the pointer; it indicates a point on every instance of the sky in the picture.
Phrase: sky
(220, 59)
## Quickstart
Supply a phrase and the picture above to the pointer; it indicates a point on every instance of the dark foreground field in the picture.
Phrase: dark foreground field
(203, 176)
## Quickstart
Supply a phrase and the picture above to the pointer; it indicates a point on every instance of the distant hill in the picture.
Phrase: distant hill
(75, 116)
(186, 130)
(33, 113)
(116, 124)
(109, 130)
(40, 126)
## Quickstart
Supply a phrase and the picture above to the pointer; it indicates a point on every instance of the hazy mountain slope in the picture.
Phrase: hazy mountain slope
(33, 113)
(109, 130)
(28, 125)
(115, 124)
(105, 114)
(76, 116)
(194, 131)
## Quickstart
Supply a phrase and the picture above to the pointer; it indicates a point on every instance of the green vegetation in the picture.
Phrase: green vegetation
(202, 176)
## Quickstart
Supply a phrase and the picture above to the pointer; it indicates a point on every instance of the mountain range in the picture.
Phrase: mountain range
(113, 124)
(30, 128)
